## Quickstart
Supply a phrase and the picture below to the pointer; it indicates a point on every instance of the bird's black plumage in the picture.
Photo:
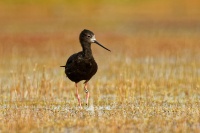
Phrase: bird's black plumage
(79, 67)
(82, 66)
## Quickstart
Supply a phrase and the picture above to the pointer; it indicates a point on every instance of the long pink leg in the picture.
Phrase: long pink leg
(77, 95)
(87, 93)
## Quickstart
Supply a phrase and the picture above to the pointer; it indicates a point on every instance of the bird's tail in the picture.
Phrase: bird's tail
(62, 66)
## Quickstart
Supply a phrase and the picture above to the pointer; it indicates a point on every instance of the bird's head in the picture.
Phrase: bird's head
(88, 37)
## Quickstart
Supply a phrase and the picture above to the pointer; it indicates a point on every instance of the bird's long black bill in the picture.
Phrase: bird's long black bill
(101, 45)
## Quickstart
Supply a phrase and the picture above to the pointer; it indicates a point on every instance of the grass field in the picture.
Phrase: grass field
(150, 82)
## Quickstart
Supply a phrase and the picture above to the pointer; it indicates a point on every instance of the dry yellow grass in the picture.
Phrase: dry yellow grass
(150, 82)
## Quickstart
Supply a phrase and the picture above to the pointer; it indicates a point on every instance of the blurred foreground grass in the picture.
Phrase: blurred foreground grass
(149, 82)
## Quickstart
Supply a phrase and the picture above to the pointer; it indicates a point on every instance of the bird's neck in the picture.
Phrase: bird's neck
(87, 49)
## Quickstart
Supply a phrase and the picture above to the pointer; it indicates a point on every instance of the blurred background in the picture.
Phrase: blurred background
(114, 21)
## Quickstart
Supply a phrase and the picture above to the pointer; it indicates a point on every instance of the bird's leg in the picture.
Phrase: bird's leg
(87, 93)
(77, 95)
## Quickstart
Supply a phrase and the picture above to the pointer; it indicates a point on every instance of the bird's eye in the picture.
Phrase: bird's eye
(89, 36)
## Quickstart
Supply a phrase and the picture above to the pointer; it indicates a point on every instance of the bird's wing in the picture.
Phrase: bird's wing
(78, 63)
(71, 59)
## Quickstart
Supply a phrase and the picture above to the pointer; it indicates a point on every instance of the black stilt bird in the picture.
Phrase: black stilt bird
(82, 66)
